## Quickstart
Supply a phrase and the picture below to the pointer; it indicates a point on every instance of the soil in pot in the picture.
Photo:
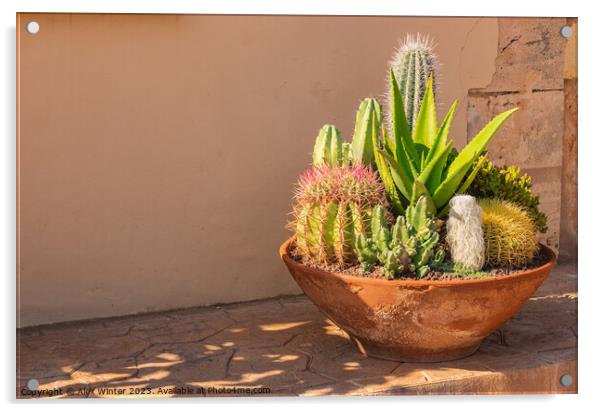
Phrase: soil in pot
(444, 272)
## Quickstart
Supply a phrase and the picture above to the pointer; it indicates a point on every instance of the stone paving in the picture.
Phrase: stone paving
(285, 345)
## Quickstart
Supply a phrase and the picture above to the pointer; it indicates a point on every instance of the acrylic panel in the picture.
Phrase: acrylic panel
(158, 161)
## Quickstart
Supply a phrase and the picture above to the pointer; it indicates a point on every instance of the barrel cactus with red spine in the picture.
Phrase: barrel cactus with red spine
(333, 205)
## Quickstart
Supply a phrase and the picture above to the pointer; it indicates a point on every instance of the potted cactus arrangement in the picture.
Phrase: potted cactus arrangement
(415, 249)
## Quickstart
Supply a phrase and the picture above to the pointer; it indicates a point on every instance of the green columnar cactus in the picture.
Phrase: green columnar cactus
(409, 247)
(328, 148)
(412, 65)
(333, 205)
(367, 129)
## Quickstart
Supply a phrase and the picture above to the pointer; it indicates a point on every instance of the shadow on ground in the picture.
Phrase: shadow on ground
(286, 347)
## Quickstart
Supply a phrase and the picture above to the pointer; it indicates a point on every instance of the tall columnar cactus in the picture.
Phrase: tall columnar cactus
(464, 232)
(412, 65)
(409, 247)
(332, 206)
(509, 233)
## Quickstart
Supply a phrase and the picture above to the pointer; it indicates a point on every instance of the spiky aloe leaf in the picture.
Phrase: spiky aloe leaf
(384, 170)
(389, 145)
(442, 133)
(400, 156)
(425, 129)
(434, 178)
(435, 162)
(390, 187)
(480, 141)
(402, 135)
(328, 147)
(462, 163)
(390, 179)
(472, 175)
(467, 182)
(402, 181)
(465, 185)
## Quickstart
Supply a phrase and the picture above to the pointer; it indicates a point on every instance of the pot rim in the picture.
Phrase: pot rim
(284, 248)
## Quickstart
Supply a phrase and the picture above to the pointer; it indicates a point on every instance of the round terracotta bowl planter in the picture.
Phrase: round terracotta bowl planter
(416, 320)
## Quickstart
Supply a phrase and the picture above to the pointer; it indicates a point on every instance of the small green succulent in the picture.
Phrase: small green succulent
(410, 246)
(508, 183)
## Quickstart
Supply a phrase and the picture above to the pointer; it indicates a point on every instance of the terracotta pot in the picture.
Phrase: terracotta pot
(417, 320)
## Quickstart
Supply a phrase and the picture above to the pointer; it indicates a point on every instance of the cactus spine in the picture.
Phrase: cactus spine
(332, 206)
(412, 65)
(509, 233)
(464, 232)
(409, 247)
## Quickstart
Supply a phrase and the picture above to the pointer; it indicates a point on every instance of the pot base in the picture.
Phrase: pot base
(398, 354)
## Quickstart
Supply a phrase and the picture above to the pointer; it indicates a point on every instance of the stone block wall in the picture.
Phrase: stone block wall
(535, 70)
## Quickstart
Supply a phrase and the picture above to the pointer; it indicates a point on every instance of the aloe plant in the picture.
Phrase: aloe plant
(414, 163)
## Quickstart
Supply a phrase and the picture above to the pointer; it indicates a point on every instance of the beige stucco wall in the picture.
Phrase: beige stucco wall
(157, 154)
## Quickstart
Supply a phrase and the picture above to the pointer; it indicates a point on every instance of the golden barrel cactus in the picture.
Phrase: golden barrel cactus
(509, 233)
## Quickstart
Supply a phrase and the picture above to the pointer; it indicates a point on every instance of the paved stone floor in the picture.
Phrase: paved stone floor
(287, 346)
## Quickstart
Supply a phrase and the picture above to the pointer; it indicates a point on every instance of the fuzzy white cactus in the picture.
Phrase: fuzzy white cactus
(465, 233)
